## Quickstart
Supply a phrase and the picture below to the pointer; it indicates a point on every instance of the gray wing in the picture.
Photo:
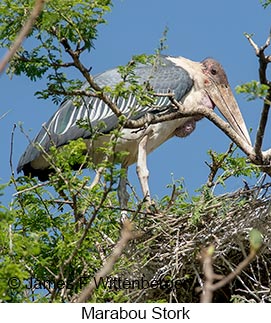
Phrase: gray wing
(63, 125)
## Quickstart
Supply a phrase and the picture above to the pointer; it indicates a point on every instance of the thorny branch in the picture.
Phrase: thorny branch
(39, 4)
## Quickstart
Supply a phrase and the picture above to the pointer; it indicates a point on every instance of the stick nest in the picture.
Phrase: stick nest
(164, 264)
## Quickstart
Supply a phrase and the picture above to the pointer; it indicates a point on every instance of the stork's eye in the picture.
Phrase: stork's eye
(213, 71)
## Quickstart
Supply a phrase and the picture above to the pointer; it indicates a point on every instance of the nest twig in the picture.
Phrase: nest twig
(166, 261)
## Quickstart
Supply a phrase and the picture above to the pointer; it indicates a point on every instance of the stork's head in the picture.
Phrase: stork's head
(219, 91)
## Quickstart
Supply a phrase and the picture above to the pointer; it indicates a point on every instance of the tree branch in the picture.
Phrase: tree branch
(209, 286)
(39, 4)
(261, 130)
(127, 234)
(216, 165)
(85, 72)
(220, 123)
(262, 160)
(263, 62)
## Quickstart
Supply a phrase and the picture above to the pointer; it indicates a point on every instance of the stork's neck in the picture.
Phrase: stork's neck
(194, 69)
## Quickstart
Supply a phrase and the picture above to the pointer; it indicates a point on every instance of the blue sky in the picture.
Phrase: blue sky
(197, 29)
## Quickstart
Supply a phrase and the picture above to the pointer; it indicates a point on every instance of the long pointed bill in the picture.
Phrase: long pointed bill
(223, 98)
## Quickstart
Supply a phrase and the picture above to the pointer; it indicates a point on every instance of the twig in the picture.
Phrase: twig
(85, 72)
(173, 196)
(95, 181)
(252, 43)
(4, 114)
(209, 286)
(216, 165)
(32, 188)
(133, 124)
(127, 234)
(62, 202)
(263, 59)
(237, 271)
(97, 178)
(79, 93)
(164, 95)
(23, 33)
(79, 242)
(11, 150)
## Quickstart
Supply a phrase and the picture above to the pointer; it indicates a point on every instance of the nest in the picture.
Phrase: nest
(165, 264)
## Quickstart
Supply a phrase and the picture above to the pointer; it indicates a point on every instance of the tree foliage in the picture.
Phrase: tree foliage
(56, 236)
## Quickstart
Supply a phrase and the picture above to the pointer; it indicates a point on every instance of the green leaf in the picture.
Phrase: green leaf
(265, 3)
(256, 239)
(253, 90)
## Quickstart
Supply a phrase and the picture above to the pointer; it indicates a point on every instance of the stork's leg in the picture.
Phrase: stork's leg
(141, 168)
(123, 195)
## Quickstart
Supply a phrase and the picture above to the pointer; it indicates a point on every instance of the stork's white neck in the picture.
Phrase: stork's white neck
(194, 69)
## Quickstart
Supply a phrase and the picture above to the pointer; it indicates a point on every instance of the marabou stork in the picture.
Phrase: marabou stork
(192, 83)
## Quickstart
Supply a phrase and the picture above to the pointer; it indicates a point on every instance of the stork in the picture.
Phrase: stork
(192, 84)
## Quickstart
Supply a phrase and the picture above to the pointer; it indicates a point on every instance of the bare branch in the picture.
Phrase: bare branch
(163, 95)
(263, 62)
(267, 43)
(252, 43)
(32, 188)
(207, 263)
(209, 286)
(261, 130)
(11, 150)
(220, 123)
(74, 93)
(259, 51)
(4, 114)
(237, 271)
(39, 4)
(96, 178)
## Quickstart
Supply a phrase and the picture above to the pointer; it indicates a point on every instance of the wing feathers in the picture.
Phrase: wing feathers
(62, 127)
